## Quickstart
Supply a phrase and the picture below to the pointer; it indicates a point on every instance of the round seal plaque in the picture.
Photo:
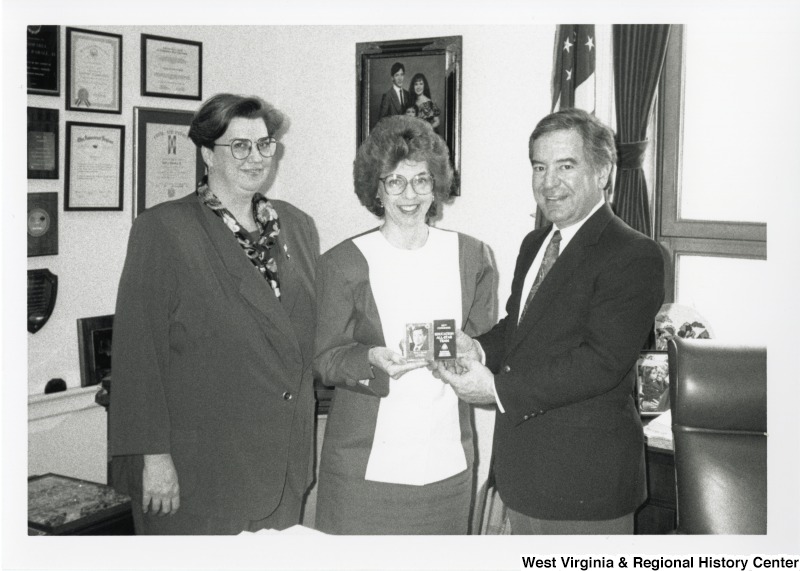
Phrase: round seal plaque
(38, 222)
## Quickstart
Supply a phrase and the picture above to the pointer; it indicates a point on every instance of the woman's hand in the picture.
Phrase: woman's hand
(160, 485)
(392, 363)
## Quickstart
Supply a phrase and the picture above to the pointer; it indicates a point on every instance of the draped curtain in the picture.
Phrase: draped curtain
(639, 52)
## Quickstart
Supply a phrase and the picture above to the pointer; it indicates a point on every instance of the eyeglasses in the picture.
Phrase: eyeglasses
(241, 148)
(397, 183)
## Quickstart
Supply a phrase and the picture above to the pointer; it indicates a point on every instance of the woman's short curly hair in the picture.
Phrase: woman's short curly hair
(393, 140)
(215, 115)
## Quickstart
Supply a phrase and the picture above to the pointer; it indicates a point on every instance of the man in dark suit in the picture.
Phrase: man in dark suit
(396, 100)
(568, 444)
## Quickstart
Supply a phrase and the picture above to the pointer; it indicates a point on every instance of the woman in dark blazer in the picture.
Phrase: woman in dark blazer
(211, 418)
(397, 457)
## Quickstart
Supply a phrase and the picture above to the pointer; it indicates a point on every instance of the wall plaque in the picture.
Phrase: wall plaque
(42, 290)
(42, 224)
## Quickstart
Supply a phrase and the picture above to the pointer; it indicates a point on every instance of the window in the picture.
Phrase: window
(706, 217)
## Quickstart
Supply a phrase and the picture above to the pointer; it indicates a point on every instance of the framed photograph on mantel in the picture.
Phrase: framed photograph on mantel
(94, 71)
(168, 164)
(172, 68)
(95, 163)
(420, 77)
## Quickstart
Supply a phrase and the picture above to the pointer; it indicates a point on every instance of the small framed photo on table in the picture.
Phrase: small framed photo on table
(94, 71)
(652, 383)
(172, 68)
(95, 163)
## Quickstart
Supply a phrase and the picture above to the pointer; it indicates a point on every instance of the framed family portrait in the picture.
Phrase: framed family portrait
(172, 67)
(95, 163)
(419, 77)
(94, 71)
(652, 383)
(168, 163)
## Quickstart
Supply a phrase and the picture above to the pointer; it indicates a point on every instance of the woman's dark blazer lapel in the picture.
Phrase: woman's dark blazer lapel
(251, 285)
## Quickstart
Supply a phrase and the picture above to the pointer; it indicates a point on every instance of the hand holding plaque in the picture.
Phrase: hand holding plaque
(434, 341)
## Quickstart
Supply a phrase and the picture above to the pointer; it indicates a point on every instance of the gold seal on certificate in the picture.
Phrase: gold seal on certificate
(430, 341)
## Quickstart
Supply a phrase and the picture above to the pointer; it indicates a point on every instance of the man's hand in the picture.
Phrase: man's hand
(393, 363)
(474, 384)
(467, 347)
(160, 485)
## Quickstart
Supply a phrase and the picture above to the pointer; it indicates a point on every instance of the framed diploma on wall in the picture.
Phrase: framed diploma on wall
(172, 68)
(94, 71)
(168, 164)
(94, 166)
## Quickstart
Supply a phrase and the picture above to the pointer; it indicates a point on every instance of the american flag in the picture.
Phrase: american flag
(573, 67)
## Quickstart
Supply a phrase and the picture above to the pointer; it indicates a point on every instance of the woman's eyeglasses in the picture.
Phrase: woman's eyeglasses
(241, 148)
(397, 183)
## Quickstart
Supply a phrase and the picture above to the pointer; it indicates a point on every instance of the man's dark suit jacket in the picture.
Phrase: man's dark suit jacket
(209, 366)
(390, 103)
(570, 445)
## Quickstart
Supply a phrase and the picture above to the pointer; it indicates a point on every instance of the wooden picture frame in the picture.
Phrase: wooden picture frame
(168, 164)
(172, 67)
(94, 71)
(438, 60)
(652, 383)
(94, 348)
(44, 60)
(95, 162)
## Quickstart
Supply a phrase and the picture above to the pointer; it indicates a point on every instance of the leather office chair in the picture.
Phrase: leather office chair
(719, 423)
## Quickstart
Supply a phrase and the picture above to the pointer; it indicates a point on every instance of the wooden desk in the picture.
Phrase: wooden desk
(659, 513)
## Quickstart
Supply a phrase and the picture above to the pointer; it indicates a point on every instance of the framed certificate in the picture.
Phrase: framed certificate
(172, 68)
(168, 163)
(95, 162)
(94, 71)
(44, 50)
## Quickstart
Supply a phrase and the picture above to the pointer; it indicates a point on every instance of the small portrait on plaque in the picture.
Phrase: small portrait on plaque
(417, 343)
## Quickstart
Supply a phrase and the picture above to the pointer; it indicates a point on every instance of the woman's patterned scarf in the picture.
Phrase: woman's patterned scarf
(259, 251)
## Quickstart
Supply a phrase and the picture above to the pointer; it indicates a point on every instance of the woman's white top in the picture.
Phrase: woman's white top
(417, 434)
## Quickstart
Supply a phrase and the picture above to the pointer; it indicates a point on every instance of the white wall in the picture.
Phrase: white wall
(309, 73)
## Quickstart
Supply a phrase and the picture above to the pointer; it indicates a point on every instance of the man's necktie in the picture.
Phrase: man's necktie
(549, 259)
(402, 103)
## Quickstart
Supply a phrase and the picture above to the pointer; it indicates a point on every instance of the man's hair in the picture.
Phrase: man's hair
(598, 139)
(397, 66)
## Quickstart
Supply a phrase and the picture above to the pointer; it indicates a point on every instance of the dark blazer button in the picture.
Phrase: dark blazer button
(526, 417)
(506, 369)
(287, 395)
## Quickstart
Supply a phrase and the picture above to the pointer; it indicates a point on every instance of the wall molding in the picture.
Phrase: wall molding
(57, 404)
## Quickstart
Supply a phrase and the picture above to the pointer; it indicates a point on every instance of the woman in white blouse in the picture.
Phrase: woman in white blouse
(398, 452)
